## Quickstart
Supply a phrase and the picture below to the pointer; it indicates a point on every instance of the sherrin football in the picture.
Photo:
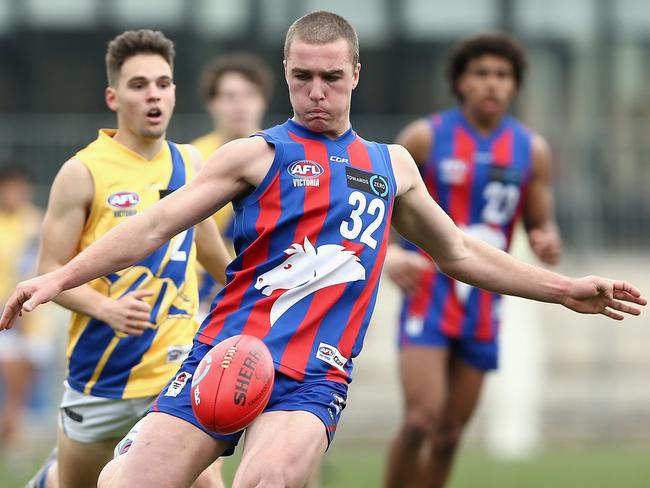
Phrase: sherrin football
(232, 384)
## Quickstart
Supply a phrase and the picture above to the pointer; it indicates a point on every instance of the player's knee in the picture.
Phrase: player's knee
(108, 473)
(269, 477)
(414, 435)
(418, 425)
(447, 439)
(274, 476)
(210, 477)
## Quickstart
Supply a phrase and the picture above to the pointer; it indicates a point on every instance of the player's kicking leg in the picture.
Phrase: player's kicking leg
(167, 452)
(209, 478)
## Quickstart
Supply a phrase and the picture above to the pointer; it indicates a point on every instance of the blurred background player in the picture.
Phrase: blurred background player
(29, 346)
(129, 330)
(236, 89)
(485, 169)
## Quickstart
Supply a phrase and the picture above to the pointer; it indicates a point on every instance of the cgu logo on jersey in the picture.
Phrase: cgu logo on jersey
(305, 172)
(123, 199)
(339, 159)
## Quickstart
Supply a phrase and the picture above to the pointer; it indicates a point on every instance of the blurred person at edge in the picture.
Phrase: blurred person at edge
(486, 170)
(236, 88)
(28, 347)
(130, 329)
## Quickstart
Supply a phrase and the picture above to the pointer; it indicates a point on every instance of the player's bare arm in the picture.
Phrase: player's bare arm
(539, 215)
(418, 218)
(404, 266)
(70, 200)
(211, 251)
(233, 170)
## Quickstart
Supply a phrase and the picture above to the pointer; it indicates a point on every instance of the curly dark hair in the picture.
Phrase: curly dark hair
(497, 44)
(250, 67)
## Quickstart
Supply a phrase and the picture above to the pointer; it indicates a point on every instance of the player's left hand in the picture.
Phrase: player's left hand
(546, 245)
(593, 294)
(27, 296)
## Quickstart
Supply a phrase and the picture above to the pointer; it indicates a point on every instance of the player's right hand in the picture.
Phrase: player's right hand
(594, 294)
(405, 268)
(129, 314)
(27, 296)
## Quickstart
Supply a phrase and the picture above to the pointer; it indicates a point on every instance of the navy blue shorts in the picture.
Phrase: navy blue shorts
(325, 399)
(483, 355)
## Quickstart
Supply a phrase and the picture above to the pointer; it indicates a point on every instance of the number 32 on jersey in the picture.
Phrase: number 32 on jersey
(353, 227)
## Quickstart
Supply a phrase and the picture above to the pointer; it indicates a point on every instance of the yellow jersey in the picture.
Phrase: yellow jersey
(208, 287)
(19, 238)
(102, 362)
(206, 145)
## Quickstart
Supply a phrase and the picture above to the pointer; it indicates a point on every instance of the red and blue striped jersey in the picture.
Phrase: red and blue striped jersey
(310, 242)
(480, 181)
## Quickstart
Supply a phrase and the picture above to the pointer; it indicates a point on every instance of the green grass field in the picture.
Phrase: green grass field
(349, 466)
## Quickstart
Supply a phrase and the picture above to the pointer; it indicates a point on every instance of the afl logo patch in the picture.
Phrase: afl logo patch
(326, 351)
(123, 199)
(305, 169)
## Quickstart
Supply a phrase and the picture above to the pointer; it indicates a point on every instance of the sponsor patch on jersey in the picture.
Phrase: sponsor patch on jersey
(331, 355)
(305, 172)
(339, 159)
(177, 384)
(368, 182)
(506, 175)
(483, 157)
(453, 171)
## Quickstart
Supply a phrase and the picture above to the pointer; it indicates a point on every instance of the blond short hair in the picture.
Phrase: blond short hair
(323, 27)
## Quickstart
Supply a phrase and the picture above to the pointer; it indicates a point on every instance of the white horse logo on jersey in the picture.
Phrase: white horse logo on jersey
(307, 270)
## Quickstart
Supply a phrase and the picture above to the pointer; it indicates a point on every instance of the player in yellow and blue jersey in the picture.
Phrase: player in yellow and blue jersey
(129, 330)
(29, 346)
(236, 89)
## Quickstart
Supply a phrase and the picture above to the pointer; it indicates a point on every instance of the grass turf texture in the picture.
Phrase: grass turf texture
(361, 466)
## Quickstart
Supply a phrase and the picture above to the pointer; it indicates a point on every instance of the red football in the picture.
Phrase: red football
(232, 384)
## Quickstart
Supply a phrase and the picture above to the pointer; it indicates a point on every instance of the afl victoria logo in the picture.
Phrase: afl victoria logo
(123, 199)
(326, 351)
(305, 169)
